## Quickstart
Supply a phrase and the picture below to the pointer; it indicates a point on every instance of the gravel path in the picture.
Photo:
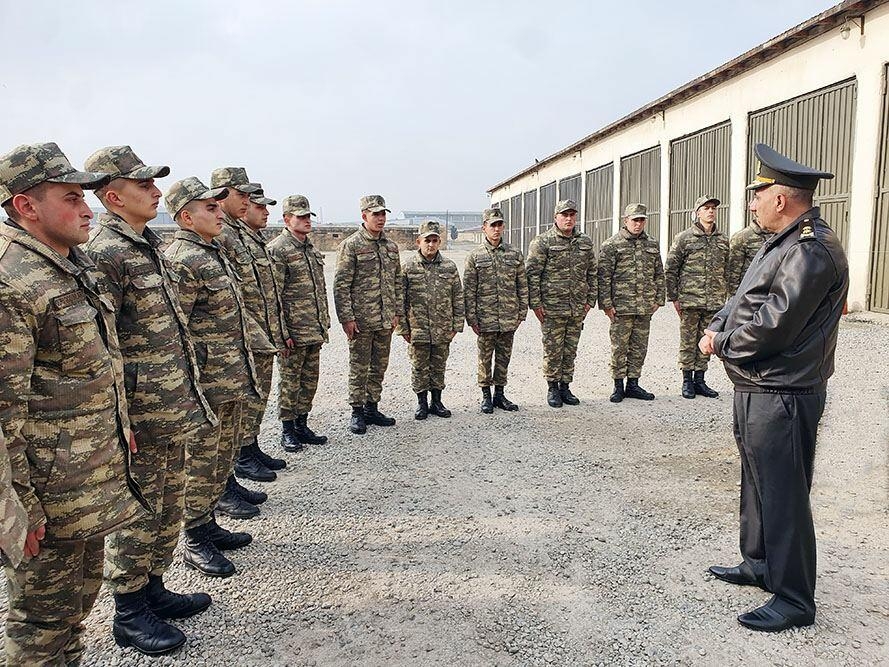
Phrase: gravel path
(543, 537)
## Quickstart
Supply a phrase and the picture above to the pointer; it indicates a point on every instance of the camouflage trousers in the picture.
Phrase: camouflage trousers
(146, 546)
(368, 360)
(209, 462)
(496, 346)
(560, 338)
(692, 323)
(50, 596)
(254, 407)
(428, 363)
(629, 345)
(299, 381)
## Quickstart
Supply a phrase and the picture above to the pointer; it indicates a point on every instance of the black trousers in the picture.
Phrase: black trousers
(776, 439)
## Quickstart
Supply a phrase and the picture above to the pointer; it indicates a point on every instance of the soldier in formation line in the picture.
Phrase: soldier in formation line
(743, 246)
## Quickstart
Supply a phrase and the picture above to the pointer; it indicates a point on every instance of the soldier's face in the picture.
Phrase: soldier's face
(58, 216)
(429, 245)
(138, 199)
(493, 231)
(205, 218)
(635, 225)
(257, 216)
(298, 224)
(374, 221)
(707, 214)
(236, 203)
(566, 221)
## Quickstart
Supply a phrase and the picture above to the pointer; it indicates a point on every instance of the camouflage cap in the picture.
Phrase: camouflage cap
(122, 162)
(262, 200)
(233, 177)
(704, 199)
(565, 205)
(373, 203)
(429, 228)
(634, 211)
(492, 215)
(188, 190)
(297, 205)
(32, 164)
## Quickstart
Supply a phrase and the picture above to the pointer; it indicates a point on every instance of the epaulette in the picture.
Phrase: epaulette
(807, 230)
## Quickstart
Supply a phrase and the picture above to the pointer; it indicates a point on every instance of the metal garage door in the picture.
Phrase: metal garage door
(515, 227)
(545, 211)
(879, 271)
(569, 188)
(816, 129)
(699, 165)
(529, 216)
(640, 181)
(599, 213)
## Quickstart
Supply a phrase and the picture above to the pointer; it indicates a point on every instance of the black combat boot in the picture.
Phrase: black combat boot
(166, 604)
(701, 387)
(618, 394)
(251, 496)
(269, 462)
(289, 441)
(635, 391)
(224, 539)
(688, 384)
(436, 407)
(553, 395)
(486, 405)
(500, 400)
(567, 397)
(137, 626)
(201, 554)
(232, 504)
(357, 425)
(422, 410)
(372, 415)
(249, 467)
(306, 435)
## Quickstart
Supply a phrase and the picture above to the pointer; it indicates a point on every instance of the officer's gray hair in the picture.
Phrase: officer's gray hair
(798, 195)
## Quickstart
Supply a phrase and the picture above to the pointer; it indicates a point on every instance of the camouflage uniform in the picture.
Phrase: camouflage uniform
(433, 313)
(299, 270)
(743, 246)
(13, 517)
(367, 290)
(696, 273)
(562, 280)
(631, 280)
(495, 297)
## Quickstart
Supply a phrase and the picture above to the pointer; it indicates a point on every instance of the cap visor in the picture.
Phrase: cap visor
(638, 217)
(144, 173)
(263, 201)
(88, 180)
(423, 236)
(756, 185)
(300, 211)
(490, 220)
(377, 209)
(711, 201)
(249, 188)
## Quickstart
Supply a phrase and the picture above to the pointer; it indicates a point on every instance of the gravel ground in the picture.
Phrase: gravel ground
(543, 537)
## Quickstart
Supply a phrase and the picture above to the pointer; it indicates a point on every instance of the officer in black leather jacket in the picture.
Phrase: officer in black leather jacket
(777, 338)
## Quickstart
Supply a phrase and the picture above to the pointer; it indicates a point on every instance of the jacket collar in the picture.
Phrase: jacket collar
(194, 237)
(625, 234)
(434, 260)
(120, 226)
(367, 235)
(74, 264)
(493, 248)
(699, 230)
(286, 233)
(776, 239)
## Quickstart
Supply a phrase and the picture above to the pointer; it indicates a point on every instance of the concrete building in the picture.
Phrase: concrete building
(816, 92)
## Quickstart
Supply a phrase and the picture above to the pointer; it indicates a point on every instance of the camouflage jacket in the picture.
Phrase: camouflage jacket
(433, 299)
(697, 269)
(62, 402)
(631, 275)
(241, 259)
(495, 288)
(299, 271)
(210, 297)
(743, 246)
(160, 369)
(367, 282)
(13, 517)
(561, 273)
(267, 311)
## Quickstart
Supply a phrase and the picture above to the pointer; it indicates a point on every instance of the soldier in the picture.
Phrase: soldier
(561, 272)
(777, 338)
(217, 321)
(433, 315)
(367, 295)
(62, 404)
(696, 273)
(495, 297)
(299, 271)
(631, 289)
(166, 405)
(743, 246)
(13, 517)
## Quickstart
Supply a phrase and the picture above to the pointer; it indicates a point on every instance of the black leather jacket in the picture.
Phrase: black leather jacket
(779, 331)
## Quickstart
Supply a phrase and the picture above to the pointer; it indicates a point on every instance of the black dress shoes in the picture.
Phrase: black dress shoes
(739, 575)
(768, 619)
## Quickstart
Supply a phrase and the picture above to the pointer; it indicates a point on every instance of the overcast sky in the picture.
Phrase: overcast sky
(426, 103)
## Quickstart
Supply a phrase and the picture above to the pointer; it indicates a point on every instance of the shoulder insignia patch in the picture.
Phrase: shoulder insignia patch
(807, 230)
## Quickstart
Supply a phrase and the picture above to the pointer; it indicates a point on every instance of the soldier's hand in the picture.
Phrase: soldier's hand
(351, 328)
(288, 345)
(453, 333)
(407, 337)
(32, 541)
(655, 309)
(540, 312)
(476, 330)
(610, 313)
(133, 447)
(586, 308)
(677, 307)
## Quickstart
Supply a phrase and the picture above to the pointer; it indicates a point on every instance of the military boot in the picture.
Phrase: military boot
(249, 467)
(137, 626)
(201, 554)
(486, 405)
(166, 604)
(688, 384)
(567, 397)
(500, 400)
(422, 410)
(372, 415)
(289, 441)
(269, 462)
(357, 425)
(306, 435)
(553, 395)
(618, 394)
(436, 407)
(701, 387)
(251, 496)
(633, 390)
(224, 539)
(232, 504)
